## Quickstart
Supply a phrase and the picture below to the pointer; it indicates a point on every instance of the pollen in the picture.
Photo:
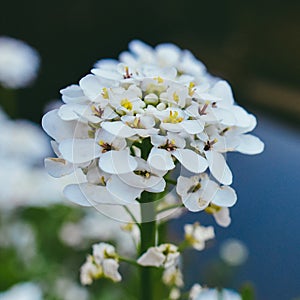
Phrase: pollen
(126, 104)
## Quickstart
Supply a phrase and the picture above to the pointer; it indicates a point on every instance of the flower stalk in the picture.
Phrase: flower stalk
(148, 235)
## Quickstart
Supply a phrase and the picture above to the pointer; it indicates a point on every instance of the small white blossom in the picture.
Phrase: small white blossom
(172, 276)
(198, 191)
(103, 263)
(19, 63)
(197, 235)
(164, 255)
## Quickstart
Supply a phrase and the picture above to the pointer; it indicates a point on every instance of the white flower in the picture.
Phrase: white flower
(172, 276)
(174, 294)
(164, 255)
(233, 252)
(197, 235)
(103, 263)
(214, 294)
(68, 290)
(19, 63)
(198, 191)
(160, 156)
(220, 214)
(195, 291)
(23, 291)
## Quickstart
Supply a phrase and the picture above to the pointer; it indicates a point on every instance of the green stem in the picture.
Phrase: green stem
(148, 234)
(132, 216)
(128, 260)
(170, 181)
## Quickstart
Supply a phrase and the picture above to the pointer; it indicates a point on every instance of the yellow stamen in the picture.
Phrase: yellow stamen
(191, 88)
(212, 208)
(105, 93)
(159, 79)
(173, 118)
(175, 97)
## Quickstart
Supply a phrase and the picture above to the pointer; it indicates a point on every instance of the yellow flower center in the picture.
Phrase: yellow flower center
(126, 104)
(175, 97)
(159, 79)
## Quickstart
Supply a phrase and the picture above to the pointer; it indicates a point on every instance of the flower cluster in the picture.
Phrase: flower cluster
(128, 124)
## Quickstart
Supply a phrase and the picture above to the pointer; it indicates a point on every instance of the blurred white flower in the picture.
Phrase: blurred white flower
(23, 291)
(195, 291)
(19, 63)
(196, 235)
(95, 226)
(234, 252)
(103, 263)
(69, 290)
(214, 294)
(23, 180)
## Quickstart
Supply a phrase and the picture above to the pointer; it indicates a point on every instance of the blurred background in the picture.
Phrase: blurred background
(255, 45)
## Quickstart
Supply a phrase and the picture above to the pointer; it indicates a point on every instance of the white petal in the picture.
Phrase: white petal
(225, 197)
(250, 144)
(153, 257)
(218, 167)
(97, 194)
(91, 86)
(56, 127)
(117, 162)
(223, 90)
(191, 160)
(74, 194)
(73, 94)
(160, 159)
(193, 126)
(122, 191)
(183, 185)
(243, 119)
(79, 150)
(194, 202)
(110, 270)
(158, 188)
(222, 217)
(70, 112)
(119, 129)
(58, 167)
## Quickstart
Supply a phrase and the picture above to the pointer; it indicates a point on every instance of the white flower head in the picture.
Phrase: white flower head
(19, 63)
(139, 118)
